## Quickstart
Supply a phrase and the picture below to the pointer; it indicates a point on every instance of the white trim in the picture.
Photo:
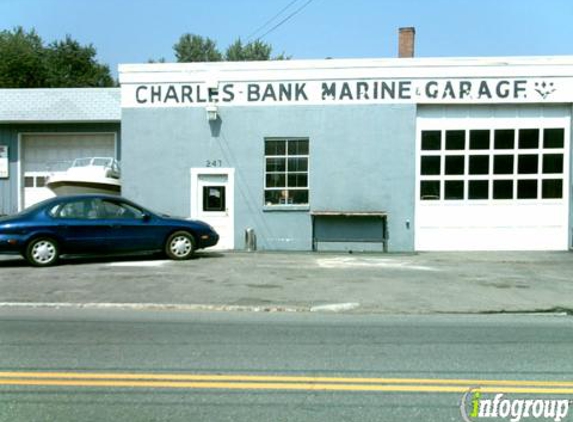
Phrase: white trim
(19, 175)
(503, 80)
(286, 156)
(348, 68)
(230, 194)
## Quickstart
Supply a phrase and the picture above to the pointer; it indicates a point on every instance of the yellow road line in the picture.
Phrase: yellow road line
(278, 378)
(269, 382)
(277, 386)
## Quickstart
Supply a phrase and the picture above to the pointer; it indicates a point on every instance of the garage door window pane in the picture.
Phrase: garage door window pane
(552, 189)
(455, 165)
(454, 189)
(503, 164)
(430, 190)
(528, 138)
(528, 164)
(552, 163)
(504, 139)
(455, 139)
(430, 165)
(502, 189)
(479, 139)
(553, 138)
(28, 182)
(431, 140)
(527, 189)
(478, 189)
(479, 164)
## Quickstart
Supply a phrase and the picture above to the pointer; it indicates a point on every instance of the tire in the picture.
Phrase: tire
(42, 252)
(180, 245)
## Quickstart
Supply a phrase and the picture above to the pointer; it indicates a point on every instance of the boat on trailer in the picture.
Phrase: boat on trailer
(87, 175)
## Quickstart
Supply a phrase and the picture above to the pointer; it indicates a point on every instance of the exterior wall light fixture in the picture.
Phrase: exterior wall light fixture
(212, 112)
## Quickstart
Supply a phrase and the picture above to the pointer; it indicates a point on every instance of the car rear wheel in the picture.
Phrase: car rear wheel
(42, 252)
(180, 245)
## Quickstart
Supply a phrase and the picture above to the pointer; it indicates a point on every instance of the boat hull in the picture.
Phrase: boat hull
(77, 187)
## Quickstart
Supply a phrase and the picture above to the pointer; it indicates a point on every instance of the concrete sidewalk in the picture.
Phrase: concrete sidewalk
(477, 282)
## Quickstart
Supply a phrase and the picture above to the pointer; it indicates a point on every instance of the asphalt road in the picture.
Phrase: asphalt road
(85, 365)
(425, 283)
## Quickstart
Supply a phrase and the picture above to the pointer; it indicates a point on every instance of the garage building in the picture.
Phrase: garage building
(43, 130)
(368, 154)
(391, 155)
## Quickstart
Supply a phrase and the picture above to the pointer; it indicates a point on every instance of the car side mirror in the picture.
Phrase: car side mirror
(146, 218)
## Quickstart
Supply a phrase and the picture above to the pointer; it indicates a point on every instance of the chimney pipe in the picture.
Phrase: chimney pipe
(406, 42)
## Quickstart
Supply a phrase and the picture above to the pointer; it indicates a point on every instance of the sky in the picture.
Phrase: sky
(134, 31)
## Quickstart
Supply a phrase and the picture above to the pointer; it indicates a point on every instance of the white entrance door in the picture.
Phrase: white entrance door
(212, 201)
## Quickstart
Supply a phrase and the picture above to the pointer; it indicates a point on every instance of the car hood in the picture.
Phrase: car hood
(175, 218)
(11, 219)
(188, 220)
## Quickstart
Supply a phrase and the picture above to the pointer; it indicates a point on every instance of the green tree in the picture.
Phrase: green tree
(22, 63)
(25, 62)
(70, 64)
(195, 48)
(255, 50)
(235, 52)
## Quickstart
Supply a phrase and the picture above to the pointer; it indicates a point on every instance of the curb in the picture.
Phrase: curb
(326, 308)
(151, 306)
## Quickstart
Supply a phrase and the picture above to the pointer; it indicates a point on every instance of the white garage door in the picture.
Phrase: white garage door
(496, 182)
(43, 154)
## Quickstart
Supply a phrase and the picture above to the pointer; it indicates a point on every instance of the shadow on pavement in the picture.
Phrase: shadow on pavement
(17, 261)
(13, 261)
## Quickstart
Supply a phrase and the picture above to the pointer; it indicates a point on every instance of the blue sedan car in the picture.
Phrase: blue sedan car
(96, 224)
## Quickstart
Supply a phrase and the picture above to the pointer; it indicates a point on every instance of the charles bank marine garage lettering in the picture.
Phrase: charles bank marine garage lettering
(317, 92)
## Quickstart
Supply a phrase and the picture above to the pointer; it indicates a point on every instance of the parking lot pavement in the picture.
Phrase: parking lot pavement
(382, 283)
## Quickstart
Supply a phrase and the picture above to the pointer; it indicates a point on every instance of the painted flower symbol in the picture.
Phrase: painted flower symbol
(544, 89)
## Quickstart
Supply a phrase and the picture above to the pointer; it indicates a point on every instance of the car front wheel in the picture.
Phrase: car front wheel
(42, 252)
(180, 245)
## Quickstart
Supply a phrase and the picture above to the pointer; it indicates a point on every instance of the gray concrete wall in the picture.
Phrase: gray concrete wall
(361, 159)
(9, 136)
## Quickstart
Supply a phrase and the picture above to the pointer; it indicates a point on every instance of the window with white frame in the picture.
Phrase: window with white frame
(286, 171)
(492, 164)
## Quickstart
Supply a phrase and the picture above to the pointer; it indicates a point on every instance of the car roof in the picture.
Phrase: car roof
(89, 196)
(66, 198)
